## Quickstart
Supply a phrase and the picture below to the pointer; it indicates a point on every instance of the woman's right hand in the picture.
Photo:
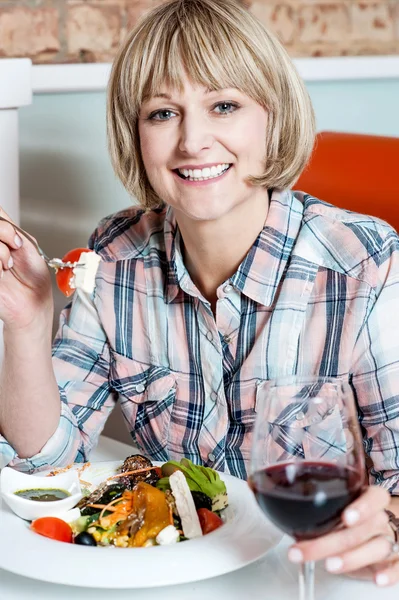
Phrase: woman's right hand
(25, 283)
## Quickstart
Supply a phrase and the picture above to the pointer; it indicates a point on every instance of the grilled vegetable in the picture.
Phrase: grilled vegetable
(134, 469)
(149, 515)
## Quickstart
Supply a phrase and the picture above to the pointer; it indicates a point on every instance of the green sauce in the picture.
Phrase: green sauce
(45, 495)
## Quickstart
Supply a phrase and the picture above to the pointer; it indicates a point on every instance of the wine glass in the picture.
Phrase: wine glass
(307, 460)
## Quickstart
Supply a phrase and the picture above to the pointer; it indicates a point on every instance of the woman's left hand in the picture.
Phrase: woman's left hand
(362, 543)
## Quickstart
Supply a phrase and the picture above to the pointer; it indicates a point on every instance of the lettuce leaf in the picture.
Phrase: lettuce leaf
(199, 478)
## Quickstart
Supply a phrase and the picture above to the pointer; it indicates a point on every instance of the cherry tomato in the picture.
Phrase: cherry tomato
(53, 528)
(64, 276)
(209, 521)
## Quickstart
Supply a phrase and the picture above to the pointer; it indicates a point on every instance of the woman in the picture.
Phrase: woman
(222, 278)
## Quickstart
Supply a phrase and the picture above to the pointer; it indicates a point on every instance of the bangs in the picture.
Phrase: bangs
(205, 49)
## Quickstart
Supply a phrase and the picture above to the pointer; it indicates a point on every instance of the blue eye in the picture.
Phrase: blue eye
(227, 107)
(160, 115)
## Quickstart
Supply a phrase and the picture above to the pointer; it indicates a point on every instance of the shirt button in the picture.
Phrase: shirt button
(300, 416)
(140, 388)
(209, 336)
(227, 288)
(214, 396)
(227, 339)
(211, 456)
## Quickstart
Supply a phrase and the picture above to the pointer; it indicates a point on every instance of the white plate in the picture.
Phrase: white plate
(245, 537)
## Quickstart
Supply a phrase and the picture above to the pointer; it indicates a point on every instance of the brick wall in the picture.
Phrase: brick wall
(68, 31)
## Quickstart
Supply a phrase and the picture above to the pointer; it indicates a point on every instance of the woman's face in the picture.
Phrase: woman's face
(199, 147)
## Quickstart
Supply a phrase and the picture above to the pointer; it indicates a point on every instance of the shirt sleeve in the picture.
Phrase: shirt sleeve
(375, 373)
(81, 366)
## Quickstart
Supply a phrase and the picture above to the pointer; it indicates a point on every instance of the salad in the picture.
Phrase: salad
(143, 505)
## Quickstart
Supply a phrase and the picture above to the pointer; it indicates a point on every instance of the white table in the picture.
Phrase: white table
(272, 577)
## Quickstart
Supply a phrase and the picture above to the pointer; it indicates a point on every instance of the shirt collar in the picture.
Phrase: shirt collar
(170, 233)
(260, 273)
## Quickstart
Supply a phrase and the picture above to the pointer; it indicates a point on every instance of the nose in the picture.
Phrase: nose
(195, 135)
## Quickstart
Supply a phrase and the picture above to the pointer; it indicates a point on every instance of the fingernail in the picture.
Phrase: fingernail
(351, 516)
(10, 262)
(18, 241)
(334, 564)
(295, 555)
(382, 579)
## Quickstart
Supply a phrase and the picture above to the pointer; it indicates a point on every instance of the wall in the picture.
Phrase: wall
(67, 183)
(64, 31)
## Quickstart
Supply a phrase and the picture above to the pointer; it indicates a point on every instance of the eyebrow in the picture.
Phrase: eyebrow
(168, 97)
(162, 95)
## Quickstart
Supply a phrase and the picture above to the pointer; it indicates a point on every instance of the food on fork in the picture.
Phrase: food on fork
(80, 276)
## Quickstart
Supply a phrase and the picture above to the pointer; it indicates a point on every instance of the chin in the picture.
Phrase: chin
(204, 213)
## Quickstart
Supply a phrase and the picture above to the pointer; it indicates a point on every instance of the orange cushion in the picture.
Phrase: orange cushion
(357, 172)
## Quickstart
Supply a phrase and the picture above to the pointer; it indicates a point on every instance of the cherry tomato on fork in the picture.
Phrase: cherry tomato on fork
(64, 276)
(53, 528)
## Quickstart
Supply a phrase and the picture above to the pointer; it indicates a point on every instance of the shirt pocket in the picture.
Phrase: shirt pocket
(242, 403)
(328, 438)
(303, 430)
(147, 394)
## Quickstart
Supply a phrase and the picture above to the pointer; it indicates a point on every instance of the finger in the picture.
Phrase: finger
(5, 257)
(373, 500)
(9, 235)
(388, 575)
(340, 541)
(374, 551)
(365, 574)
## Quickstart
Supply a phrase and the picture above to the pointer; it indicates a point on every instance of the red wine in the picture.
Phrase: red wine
(305, 499)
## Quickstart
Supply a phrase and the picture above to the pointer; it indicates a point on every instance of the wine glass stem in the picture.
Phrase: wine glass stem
(306, 581)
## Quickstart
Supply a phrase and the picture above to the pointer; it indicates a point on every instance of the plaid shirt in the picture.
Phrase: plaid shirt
(316, 294)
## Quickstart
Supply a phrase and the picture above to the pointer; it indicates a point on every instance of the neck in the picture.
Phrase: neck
(213, 250)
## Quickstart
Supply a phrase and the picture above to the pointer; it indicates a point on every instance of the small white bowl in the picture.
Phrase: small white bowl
(12, 481)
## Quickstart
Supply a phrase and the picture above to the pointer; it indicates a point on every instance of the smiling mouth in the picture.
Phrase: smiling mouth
(210, 173)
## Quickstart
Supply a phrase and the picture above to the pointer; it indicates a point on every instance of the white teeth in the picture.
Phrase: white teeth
(206, 173)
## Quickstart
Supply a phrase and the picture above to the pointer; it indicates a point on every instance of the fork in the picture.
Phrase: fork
(55, 263)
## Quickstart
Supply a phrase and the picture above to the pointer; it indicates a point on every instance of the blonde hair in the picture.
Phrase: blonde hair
(218, 44)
